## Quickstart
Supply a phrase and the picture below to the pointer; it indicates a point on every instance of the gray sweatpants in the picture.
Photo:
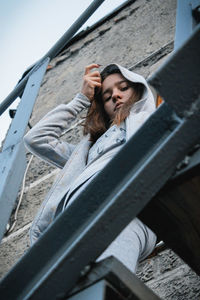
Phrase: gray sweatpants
(133, 244)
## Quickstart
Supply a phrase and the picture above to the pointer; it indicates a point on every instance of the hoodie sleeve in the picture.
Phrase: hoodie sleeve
(43, 139)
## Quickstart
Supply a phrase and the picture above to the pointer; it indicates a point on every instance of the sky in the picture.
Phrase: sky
(28, 29)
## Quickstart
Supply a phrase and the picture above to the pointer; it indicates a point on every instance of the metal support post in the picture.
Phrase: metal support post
(12, 157)
(185, 20)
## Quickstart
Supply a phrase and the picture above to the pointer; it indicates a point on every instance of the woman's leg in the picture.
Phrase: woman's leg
(133, 244)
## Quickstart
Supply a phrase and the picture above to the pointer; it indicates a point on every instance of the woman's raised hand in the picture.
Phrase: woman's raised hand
(91, 80)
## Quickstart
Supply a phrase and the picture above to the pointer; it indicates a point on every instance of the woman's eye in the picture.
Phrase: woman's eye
(107, 99)
(124, 88)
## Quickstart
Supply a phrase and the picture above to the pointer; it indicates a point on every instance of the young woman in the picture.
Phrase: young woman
(118, 102)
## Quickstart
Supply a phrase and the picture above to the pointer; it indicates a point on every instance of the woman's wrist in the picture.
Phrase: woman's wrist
(83, 96)
(83, 99)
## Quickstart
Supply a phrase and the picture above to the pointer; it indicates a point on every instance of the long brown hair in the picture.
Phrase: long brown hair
(97, 120)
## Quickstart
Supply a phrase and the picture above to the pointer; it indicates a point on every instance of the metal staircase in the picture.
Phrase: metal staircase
(149, 184)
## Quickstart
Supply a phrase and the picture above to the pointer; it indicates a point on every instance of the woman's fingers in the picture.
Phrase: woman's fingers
(94, 74)
(95, 83)
(98, 79)
(91, 80)
(92, 77)
(90, 67)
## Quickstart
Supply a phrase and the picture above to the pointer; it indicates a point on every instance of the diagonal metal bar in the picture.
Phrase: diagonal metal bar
(52, 266)
(24, 110)
(53, 51)
(66, 247)
(12, 157)
(121, 279)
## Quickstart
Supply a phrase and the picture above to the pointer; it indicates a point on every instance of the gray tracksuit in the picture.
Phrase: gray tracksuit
(136, 241)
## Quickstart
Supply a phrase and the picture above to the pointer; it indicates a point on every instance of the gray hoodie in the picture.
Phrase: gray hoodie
(43, 141)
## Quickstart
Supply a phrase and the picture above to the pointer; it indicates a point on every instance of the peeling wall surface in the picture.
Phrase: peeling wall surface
(139, 37)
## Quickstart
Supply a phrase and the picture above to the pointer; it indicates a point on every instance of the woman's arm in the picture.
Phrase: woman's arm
(43, 139)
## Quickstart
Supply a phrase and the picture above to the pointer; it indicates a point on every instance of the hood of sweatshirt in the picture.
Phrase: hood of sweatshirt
(147, 102)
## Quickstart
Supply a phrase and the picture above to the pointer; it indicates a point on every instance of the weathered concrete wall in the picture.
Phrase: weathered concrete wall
(136, 33)
(169, 277)
(129, 37)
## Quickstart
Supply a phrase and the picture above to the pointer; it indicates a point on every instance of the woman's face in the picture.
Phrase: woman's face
(116, 91)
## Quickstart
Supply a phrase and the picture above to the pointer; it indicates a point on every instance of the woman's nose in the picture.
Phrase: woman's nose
(116, 95)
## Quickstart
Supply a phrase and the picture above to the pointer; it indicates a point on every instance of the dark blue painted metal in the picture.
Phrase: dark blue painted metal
(120, 283)
(12, 157)
(12, 167)
(24, 110)
(184, 21)
(96, 291)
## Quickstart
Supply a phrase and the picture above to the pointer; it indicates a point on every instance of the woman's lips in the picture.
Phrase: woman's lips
(118, 105)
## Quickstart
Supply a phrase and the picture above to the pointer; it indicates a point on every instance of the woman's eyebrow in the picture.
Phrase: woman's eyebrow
(116, 83)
